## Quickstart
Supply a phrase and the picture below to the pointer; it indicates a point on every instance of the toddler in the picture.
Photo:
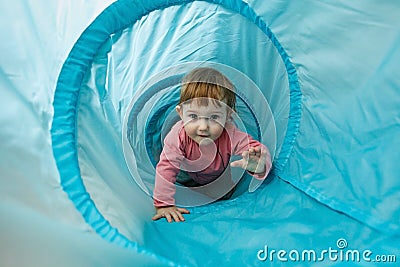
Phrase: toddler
(200, 145)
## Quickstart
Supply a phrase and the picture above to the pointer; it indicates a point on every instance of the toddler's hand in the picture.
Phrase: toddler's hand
(169, 213)
(253, 160)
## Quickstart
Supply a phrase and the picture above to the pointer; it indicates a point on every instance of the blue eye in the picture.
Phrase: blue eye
(192, 116)
(214, 117)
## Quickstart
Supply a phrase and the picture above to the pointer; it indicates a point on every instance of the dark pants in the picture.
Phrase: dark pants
(184, 179)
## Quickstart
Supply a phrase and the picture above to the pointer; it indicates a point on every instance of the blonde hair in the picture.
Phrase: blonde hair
(205, 83)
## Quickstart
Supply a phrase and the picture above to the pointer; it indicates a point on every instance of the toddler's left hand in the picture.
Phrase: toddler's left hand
(253, 160)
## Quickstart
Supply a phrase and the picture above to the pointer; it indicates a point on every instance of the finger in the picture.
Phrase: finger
(264, 152)
(177, 216)
(174, 217)
(182, 210)
(264, 155)
(245, 154)
(260, 152)
(157, 217)
(251, 151)
(168, 217)
(181, 218)
(239, 163)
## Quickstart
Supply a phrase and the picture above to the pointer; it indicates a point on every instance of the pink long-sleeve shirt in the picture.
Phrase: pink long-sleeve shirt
(182, 151)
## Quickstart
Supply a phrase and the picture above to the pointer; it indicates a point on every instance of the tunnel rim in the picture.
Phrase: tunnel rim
(116, 17)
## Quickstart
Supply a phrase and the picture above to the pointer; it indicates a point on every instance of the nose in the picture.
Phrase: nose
(202, 124)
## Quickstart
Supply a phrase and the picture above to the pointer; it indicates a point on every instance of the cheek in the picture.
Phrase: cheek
(217, 130)
(189, 129)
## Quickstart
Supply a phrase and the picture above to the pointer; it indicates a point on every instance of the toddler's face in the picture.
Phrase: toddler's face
(203, 122)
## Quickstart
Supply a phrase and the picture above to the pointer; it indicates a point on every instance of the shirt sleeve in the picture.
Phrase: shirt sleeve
(241, 142)
(167, 169)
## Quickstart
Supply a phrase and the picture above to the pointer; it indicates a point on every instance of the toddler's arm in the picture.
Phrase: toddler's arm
(166, 170)
(254, 160)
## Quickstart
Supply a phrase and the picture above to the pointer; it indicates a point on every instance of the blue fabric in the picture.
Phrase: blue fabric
(115, 18)
(336, 168)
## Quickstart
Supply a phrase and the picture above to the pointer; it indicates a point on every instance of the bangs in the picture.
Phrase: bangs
(207, 84)
(202, 92)
(205, 101)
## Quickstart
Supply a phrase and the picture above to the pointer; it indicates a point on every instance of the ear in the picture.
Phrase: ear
(229, 115)
(179, 110)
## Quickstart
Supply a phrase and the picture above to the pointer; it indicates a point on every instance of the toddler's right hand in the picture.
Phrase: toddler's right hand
(169, 213)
